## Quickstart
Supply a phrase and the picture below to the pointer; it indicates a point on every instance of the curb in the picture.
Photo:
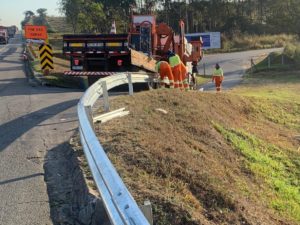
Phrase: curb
(34, 78)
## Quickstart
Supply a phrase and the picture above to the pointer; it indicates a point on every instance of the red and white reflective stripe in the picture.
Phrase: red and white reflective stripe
(86, 73)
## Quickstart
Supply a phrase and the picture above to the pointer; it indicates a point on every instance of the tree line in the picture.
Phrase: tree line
(40, 18)
(227, 16)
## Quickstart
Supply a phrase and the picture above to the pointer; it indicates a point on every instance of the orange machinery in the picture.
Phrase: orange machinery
(157, 39)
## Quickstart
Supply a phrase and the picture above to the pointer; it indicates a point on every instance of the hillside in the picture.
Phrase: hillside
(213, 158)
(59, 25)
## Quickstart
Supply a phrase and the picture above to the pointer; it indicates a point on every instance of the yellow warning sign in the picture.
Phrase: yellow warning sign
(46, 56)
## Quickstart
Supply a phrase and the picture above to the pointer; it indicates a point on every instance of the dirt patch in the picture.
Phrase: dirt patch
(179, 161)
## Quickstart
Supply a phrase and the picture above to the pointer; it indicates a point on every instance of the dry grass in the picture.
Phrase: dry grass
(246, 42)
(186, 166)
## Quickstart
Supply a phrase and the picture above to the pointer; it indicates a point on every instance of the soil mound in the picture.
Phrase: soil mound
(194, 159)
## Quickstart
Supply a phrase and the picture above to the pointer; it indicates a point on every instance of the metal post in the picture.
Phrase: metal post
(269, 62)
(130, 86)
(147, 211)
(105, 96)
(204, 69)
(282, 59)
(252, 65)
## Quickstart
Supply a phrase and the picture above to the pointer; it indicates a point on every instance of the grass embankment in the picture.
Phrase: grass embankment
(249, 42)
(229, 158)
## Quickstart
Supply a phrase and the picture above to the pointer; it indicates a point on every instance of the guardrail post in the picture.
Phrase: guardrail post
(105, 96)
(130, 86)
(147, 211)
(204, 69)
(282, 59)
(269, 62)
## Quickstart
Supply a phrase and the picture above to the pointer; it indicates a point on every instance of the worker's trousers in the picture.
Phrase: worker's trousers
(184, 78)
(218, 81)
(166, 71)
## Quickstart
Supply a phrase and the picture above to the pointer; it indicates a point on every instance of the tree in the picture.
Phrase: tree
(28, 16)
(41, 18)
(285, 16)
(71, 9)
(92, 18)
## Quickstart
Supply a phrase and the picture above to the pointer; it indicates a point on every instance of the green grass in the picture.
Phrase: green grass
(278, 168)
(276, 85)
(277, 95)
(202, 79)
(278, 62)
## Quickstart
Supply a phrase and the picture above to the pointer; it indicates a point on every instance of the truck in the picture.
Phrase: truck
(11, 31)
(96, 55)
(3, 35)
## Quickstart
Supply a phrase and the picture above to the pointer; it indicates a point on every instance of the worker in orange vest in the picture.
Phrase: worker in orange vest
(164, 70)
(218, 77)
(179, 71)
(176, 66)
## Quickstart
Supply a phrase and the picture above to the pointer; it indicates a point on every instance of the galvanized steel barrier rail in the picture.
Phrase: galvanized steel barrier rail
(120, 205)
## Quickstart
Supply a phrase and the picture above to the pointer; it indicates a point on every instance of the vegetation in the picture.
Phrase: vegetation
(230, 17)
(251, 24)
(242, 42)
(39, 19)
(230, 158)
(277, 167)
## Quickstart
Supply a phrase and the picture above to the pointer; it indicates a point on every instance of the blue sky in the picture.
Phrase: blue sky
(11, 11)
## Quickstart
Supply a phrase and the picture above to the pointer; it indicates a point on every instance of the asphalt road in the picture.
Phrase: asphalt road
(33, 121)
(233, 65)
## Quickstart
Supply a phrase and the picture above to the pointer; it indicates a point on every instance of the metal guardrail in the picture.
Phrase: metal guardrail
(119, 203)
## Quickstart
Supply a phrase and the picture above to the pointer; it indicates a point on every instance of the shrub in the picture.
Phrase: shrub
(289, 51)
(297, 54)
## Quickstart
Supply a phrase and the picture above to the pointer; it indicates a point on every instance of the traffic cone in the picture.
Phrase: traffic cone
(113, 29)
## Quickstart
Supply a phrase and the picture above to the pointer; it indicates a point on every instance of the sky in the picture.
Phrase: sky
(12, 11)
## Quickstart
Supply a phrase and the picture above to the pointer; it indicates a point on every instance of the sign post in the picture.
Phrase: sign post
(45, 50)
(46, 56)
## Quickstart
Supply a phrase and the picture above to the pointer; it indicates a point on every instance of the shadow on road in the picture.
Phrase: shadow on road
(20, 86)
(69, 197)
(21, 178)
(12, 130)
(8, 52)
(7, 69)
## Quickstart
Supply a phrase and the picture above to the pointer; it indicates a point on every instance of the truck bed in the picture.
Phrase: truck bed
(105, 47)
